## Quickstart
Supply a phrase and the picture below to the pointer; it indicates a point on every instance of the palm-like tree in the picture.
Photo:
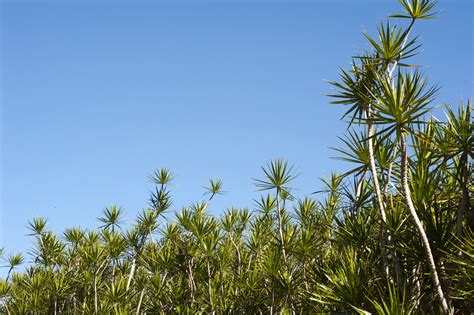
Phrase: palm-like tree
(400, 106)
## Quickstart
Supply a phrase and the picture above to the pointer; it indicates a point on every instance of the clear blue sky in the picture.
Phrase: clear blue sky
(95, 95)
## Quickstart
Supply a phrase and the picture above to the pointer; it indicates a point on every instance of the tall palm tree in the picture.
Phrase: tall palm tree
(399, 106)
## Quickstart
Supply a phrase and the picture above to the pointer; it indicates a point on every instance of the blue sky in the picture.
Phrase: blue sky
(96, 95)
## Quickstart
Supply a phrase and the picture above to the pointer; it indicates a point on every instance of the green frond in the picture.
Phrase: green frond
(278, 175)
(417, 9)
(162, 176)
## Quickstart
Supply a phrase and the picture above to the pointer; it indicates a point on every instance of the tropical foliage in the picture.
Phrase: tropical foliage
(391, 235)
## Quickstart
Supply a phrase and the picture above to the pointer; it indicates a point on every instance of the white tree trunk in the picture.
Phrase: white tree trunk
(419, 226)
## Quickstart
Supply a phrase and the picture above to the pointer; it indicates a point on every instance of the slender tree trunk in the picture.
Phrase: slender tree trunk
(419, 226)
(132, 271)
(140, 301)
(395, 64)
(8, 274)
(191, 279)
(378, 193)
(273, 297)
(416, 275)
(95, 293)
(280, 224)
